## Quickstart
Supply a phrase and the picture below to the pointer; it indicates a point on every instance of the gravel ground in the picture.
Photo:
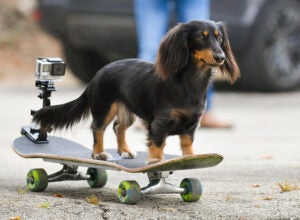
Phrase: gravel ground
(259, 153)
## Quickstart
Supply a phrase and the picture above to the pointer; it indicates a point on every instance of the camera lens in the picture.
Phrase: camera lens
(58, 69)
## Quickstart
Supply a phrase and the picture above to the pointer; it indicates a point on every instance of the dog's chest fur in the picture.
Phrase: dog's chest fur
(182, 101)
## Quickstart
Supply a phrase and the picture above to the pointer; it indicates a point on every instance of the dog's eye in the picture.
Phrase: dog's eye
(201, 37)
(219, 38)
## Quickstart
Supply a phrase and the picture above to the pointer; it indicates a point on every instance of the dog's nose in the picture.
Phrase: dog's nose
(219, 58)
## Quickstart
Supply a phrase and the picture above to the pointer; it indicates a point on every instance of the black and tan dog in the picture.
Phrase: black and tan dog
(169, 95)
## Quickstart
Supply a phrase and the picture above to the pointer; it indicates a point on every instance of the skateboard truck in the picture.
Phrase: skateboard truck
(158, 184)
(129, 192)
(68, 173)
(48, 70)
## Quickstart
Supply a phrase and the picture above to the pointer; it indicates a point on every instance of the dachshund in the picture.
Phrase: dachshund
(169, 95)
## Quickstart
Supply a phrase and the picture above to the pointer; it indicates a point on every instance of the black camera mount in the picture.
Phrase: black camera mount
(46, 87)
(38, 135)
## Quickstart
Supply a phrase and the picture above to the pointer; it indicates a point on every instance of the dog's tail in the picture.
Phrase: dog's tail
(64, 115)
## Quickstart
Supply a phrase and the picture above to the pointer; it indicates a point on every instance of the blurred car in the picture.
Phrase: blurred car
(265, 36)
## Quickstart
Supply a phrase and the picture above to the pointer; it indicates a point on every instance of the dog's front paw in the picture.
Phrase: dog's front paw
(102, 156)
(128, 155)
(153, 160)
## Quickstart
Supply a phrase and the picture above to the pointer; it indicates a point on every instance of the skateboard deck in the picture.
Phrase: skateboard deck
(61, 150)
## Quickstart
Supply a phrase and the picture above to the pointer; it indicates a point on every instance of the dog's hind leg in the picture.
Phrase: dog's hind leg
(125, 119)
(101, 119)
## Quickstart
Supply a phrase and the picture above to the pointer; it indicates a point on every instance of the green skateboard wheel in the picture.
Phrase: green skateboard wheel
(129, 192)
(98, 177)
(37, 180)
(193, 189)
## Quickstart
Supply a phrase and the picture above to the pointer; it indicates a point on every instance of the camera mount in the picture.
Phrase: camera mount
(38, 135)
(46, 87)
(48, 70)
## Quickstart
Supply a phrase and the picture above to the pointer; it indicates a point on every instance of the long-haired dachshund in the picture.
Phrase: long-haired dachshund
(169, 95)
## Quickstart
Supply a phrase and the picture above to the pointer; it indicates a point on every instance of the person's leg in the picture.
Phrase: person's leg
(209, 120)
(209, 95)
(152, 20)
(188, 10)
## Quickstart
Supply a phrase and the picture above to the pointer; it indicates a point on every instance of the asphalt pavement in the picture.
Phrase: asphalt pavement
(261, 153)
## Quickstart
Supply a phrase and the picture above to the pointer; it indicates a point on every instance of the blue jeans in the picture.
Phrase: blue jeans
(153, 20)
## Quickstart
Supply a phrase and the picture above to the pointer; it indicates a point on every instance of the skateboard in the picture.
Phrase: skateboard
(72, 155)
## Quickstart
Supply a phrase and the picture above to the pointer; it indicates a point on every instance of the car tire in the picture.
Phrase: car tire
(83, 63)
(272, 62)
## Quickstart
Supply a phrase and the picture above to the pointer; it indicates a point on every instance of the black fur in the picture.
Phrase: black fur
(169, 96)
(64, 115)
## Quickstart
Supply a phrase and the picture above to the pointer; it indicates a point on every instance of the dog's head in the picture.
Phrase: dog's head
(203, 42)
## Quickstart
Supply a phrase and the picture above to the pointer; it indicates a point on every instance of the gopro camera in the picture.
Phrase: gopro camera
(49, 69)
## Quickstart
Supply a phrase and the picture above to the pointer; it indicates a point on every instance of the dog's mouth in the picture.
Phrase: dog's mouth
(214, 64)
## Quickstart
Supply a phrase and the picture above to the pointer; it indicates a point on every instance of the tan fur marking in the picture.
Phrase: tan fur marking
(121, 139)
(205, 56)
(179, 113)
(125, 119)
(202, 65)
(156, 152)
(216, 33)
(111, 114)
(186, 145)
(98, 146)
(205, 33)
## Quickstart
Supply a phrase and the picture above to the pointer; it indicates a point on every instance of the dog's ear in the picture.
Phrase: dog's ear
(230, 67)
(173, 52)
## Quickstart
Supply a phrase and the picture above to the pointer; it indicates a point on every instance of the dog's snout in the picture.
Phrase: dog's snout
(219, 58)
